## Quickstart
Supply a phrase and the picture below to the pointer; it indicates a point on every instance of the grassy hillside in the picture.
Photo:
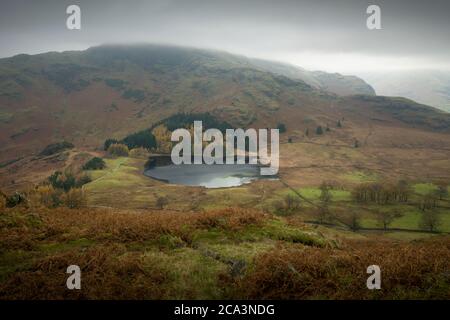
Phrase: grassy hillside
(111, 91)
(224, 254)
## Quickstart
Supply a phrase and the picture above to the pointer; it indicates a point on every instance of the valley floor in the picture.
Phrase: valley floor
(234, 243)
(122, 185)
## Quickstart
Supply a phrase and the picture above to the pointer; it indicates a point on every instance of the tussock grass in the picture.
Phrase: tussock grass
(409, 271)
(221, 254)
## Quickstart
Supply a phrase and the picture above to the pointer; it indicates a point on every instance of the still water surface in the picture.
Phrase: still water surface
(209, 176)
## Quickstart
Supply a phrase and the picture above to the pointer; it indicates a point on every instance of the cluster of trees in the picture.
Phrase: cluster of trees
(158, 136)
(51, 197)
(428, 203)
(185, 120)
(63, 188)
(45, 195)
(95, 163)
(380, 193)
(144, 139)
(430, 220)
(141, 139)
(385, 218)
(383, 194)
(162, 137)
(67, 180)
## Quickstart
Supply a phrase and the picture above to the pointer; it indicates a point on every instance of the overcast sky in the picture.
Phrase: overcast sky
(328, 35)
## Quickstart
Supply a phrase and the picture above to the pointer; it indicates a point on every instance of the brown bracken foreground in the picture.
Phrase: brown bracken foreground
(227, 254)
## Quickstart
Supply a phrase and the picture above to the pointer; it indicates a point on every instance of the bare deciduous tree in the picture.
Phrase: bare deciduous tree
(385, 218)
(161, 202)
(430, 220)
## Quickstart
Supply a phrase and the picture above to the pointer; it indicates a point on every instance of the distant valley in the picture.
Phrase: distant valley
(424, 86)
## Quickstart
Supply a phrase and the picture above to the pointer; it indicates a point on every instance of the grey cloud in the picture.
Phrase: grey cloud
(411, 28)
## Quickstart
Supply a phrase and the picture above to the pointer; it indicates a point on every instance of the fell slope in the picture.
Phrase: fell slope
(110, 91)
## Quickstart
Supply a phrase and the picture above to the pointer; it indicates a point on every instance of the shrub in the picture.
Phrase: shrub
(353, 221)
(118, 150)
(16, 199)
(136, 95)
(115, 83)
(290, 203)
(75, 198)
(56, 148)
(139, 153)
(109, 142)
(281, 127)
(161, 202)
(95, 163)
(49, 196)
(319, 130)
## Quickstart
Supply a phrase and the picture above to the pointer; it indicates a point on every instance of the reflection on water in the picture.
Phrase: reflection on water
(209, 176)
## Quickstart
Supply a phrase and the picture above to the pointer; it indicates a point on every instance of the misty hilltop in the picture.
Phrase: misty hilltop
(164, 58)
(431, 87)
(110, 91)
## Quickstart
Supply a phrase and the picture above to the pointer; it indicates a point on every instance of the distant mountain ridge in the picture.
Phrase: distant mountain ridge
(431, 87)
(332, 82)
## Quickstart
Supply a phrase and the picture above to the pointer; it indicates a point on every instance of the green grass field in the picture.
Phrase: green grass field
(123, 178)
